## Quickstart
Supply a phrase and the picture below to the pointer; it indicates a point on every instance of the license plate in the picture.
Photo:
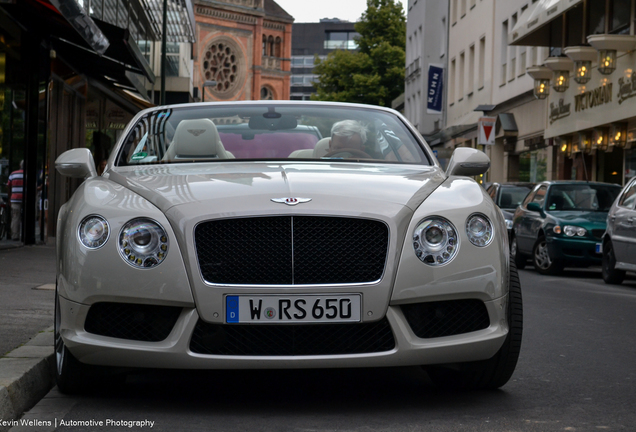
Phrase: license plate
(293, 309)
(599, 248)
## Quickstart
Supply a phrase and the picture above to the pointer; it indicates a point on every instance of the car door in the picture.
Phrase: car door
(623, 221)
(528, 226)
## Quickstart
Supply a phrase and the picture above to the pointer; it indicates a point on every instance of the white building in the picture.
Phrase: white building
(426, 45)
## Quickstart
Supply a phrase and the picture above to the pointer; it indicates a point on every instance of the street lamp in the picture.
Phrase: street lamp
(561, 67)
(582, 58)
(541, 76)
(208, 83)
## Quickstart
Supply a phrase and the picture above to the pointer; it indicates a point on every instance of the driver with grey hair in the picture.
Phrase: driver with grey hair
(348, 134)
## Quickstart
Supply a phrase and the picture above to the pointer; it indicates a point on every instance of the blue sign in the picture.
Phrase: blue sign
(434, 97)
(232, 309)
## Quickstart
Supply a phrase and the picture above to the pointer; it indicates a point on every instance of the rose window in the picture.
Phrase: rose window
(220, 63)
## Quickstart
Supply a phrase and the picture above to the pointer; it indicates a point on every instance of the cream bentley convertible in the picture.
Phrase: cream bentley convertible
(252, 235)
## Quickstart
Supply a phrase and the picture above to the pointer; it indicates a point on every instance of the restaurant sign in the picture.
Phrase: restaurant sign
(593, 98)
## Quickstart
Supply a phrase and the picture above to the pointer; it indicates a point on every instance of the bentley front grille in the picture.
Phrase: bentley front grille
(446, 318)
(132, 321)
(292, 339)
(291, 250)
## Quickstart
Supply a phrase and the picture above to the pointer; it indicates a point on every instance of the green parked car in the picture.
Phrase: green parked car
(561, 223)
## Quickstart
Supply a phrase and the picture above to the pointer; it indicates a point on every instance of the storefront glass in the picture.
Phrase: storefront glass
(533, 166)
(630, 165)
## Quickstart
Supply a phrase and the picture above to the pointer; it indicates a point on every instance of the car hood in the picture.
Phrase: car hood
(233, 188)
(585, 219)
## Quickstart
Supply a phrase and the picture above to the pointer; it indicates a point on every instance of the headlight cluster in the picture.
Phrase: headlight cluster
(479, 230)
(436, 241)
(143, 243)
(571, 231)
(94, 231)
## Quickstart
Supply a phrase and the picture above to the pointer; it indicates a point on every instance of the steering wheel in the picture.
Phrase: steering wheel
(349, 151)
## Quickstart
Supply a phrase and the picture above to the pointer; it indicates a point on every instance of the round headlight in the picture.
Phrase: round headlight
(143, 243)
(93, 231)
(572, 231)
(435, 241)
(479, 230)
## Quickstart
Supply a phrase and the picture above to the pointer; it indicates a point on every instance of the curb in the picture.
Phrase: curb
(26, 376)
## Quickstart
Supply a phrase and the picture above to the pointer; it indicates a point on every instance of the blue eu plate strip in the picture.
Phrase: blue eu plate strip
(232, 309)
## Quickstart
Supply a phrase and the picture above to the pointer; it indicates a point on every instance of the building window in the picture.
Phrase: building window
(297, 80)
(574, 20)
(341, 40)
(297, 62)
(596, 17)
(172, 59)
(454, 12)
(463, 3)
(222, 63)
(462, 68)
(277, 50)
(471, 69)
(482, 62)
(620, 13)
(267, 93)
(504, 53)
(451, 82)
(443, 35)
(270, 42)
(264, 45)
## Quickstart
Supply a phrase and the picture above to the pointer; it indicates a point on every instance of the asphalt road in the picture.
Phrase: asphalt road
(577, 372)
(27, 287)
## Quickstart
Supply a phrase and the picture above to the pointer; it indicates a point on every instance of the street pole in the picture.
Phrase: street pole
(163, 51)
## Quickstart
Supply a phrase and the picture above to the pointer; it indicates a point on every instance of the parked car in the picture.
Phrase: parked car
(508, 196)
(561, 223)
(359, 252)
(619, 241)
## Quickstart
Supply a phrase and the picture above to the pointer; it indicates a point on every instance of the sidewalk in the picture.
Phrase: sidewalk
(27, 288)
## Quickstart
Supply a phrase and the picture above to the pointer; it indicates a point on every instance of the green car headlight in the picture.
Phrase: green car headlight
(572, 231)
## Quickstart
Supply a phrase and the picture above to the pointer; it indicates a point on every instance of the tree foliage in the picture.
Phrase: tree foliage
(374, 74)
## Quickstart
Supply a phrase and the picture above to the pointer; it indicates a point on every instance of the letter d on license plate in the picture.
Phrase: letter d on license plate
(293, 309)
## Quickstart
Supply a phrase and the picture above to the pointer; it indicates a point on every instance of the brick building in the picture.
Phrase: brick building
(243, 45)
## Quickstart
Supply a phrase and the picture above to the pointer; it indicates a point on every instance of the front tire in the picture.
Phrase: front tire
(609, 272)
(73, 376)
(543, 262)
(496, 371)
(68, 370)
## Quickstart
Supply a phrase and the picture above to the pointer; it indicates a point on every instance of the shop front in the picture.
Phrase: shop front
(594, 125)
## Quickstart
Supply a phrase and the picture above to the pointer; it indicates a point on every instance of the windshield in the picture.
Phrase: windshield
(512, 196)
(229, 133)
(584, 197)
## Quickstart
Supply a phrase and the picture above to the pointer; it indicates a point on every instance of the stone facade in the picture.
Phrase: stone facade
(245, 46)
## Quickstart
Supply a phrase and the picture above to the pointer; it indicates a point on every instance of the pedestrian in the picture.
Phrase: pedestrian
(16, 191)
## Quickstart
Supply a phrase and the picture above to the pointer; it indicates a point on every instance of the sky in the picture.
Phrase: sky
(313, 11)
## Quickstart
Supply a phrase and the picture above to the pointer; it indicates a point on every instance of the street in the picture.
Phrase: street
(576, 373)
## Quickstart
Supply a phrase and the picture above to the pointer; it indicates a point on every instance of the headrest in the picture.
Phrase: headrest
(197, 138)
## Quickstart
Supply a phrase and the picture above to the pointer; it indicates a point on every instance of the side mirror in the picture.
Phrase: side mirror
(77, 163)
(535, 207)
(467, 161)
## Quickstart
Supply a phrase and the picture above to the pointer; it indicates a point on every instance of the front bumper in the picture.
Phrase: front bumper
(175, 350)
(579, 251)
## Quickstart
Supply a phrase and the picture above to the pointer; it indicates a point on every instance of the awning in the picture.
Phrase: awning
(532, 28)
(180, 22)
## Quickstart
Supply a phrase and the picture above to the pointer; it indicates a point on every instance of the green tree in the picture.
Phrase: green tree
(374, 74)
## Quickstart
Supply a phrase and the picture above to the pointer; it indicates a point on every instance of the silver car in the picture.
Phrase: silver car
(307, 235)
(619, 240)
